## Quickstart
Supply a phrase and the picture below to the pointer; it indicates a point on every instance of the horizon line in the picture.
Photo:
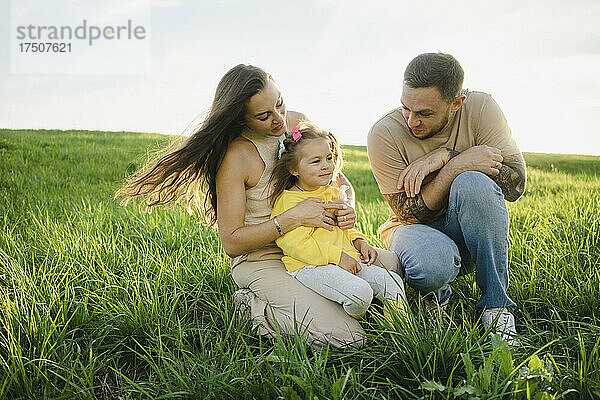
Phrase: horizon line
(180, 134)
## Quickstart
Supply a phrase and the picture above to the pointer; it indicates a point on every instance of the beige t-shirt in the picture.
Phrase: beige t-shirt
(391, 146)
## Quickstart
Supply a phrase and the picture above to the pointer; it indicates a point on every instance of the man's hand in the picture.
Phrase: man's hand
(412, 176)
(485, 159)
(368, 254)
(425, 206)
(349, 264)
(508, 173)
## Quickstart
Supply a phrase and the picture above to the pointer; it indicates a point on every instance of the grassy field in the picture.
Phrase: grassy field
(101, 301)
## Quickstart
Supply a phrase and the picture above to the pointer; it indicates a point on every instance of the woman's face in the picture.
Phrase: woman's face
(265, 111)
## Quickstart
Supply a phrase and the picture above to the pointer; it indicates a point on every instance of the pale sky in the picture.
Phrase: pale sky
(339, 62)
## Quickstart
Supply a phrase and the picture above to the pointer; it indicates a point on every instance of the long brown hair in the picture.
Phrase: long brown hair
(190, 169)
(281, 177)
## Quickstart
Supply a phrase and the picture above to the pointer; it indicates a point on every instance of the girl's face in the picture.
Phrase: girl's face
(315, 164)
(265, 111)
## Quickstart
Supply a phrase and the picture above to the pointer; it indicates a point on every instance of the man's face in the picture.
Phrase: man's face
(424, 110)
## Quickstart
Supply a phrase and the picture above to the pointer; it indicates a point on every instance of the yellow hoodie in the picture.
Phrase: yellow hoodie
(313, 246)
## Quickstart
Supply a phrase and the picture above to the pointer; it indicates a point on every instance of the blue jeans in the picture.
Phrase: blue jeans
(473, 236)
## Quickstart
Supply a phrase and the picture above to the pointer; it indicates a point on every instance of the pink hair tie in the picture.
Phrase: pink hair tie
(296, 135)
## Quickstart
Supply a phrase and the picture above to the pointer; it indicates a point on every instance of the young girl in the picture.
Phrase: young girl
(336, 263)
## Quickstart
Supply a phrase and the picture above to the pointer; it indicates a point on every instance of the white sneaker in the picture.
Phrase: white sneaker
(504, 323)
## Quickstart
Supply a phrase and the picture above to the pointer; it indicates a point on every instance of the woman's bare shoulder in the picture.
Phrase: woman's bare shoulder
(293, 117)
(243, 157)
(241, 149)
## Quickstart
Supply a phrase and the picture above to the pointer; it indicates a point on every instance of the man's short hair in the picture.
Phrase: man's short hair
(438, 70)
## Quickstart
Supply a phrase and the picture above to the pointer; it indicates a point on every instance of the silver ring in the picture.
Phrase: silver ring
(344, 218)
(498, 165)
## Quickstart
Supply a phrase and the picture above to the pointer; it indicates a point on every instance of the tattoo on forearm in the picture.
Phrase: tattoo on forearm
(412, 210)
(511, 178)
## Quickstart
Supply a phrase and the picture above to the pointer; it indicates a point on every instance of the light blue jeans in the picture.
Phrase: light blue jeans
(473, 236)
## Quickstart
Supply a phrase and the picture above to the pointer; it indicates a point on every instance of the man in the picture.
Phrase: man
(445, 162)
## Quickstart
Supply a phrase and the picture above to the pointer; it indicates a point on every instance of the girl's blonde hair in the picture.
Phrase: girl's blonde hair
(282, 178)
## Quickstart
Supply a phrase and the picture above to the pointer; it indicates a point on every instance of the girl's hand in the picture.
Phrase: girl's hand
(344, 213)
(314, 213)
(368, 254)
(349, 264)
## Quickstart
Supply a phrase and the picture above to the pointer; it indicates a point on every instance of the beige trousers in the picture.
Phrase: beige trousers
(282, 304)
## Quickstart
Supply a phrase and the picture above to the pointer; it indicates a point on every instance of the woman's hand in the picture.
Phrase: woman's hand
(368, 254)
(312, 212)
(349, 264)
(344, 214)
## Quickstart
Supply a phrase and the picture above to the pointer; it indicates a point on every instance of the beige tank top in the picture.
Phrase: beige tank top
(258, 206)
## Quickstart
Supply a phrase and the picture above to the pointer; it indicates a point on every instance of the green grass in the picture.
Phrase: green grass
(102, 301)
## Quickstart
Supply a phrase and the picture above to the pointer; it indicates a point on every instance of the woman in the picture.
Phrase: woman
(229, 161)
